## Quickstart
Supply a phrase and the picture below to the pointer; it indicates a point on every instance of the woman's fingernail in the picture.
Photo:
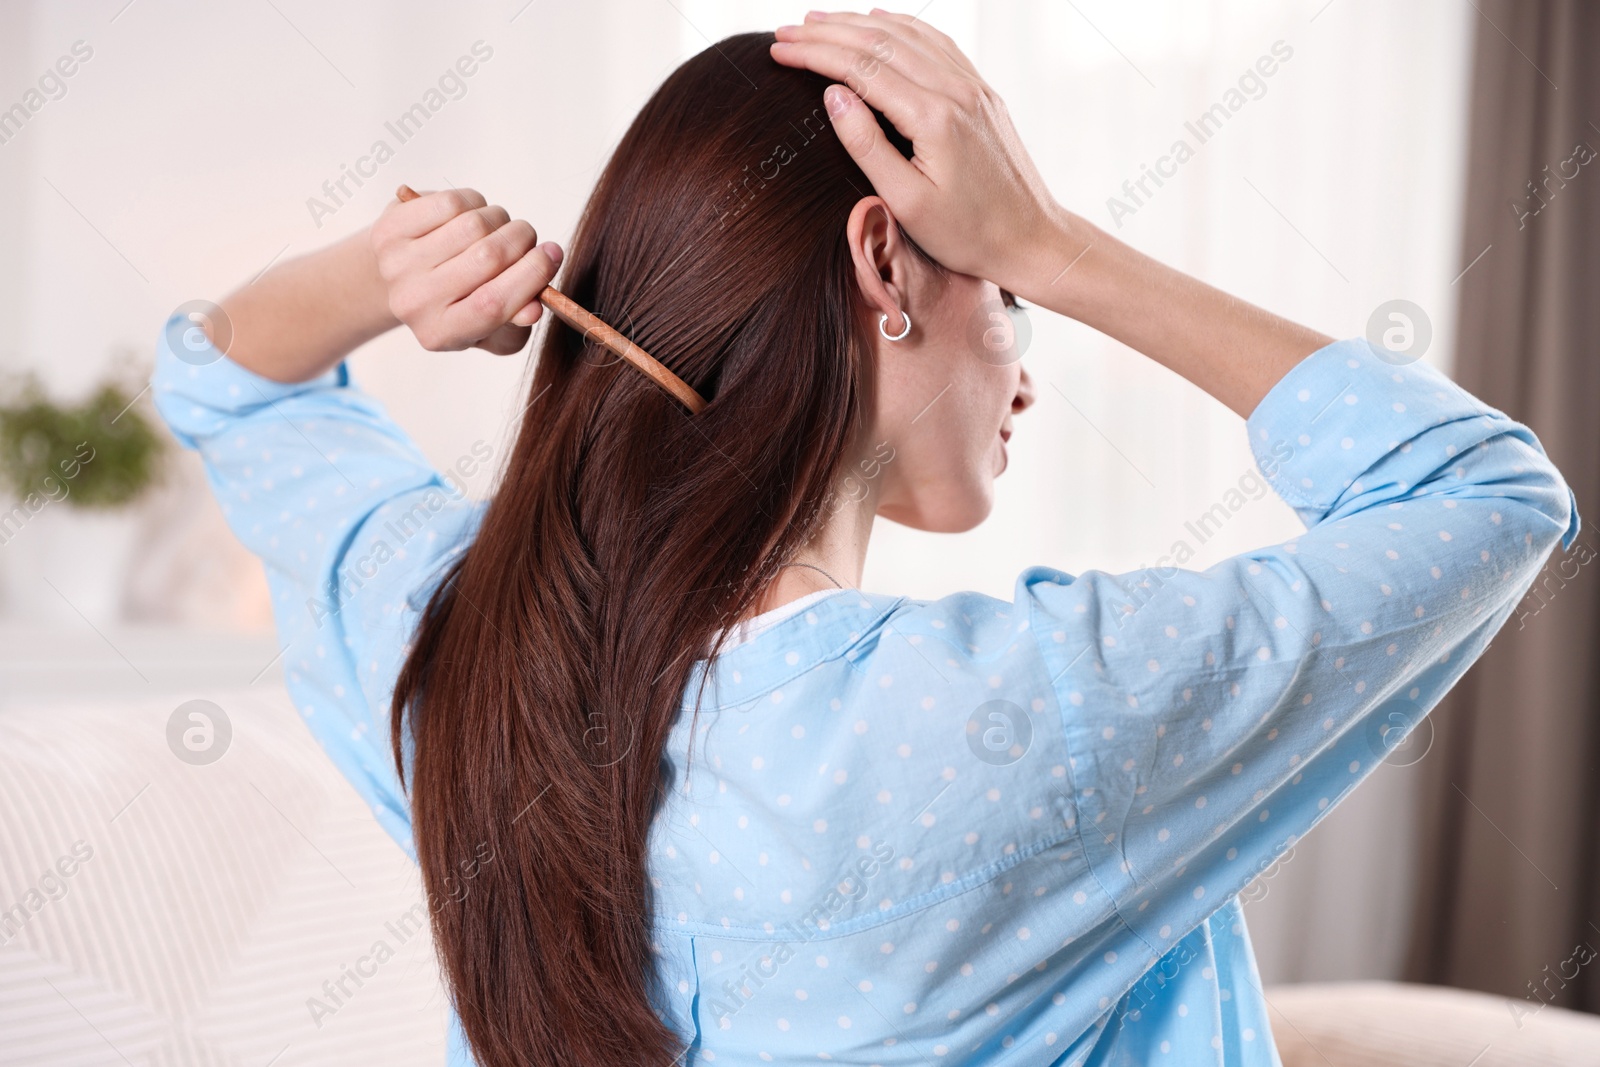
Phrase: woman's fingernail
(818, 15)
(834, 98)
(553, 250)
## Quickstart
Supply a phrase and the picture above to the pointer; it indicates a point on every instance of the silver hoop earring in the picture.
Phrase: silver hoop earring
(883, 320)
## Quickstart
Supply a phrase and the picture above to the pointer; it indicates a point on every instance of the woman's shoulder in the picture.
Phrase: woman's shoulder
(954, 642)
(912, 745)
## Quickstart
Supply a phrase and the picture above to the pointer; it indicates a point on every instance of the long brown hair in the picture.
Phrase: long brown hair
(552, 660)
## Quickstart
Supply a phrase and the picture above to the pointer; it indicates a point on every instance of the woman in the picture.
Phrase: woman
(679, 793)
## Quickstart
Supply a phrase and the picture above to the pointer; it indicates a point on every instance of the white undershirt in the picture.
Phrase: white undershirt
(747, 630)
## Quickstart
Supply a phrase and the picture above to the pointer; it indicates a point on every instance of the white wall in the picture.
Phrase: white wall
(181, 159)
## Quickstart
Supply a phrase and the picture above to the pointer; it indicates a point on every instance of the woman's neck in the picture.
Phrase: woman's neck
(836, 553)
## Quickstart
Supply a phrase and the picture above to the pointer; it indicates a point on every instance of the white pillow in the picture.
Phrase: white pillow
(204, 906)
(1395, 1024)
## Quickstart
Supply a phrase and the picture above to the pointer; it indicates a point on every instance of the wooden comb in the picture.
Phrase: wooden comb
(592, 326)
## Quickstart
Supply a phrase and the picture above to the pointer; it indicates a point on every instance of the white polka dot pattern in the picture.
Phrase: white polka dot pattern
(942, 832)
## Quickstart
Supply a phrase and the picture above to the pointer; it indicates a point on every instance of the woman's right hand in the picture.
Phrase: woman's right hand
(461, 273)
(970, 195)
(974, 200)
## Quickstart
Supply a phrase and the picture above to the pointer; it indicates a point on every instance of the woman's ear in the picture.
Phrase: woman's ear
(882, 259)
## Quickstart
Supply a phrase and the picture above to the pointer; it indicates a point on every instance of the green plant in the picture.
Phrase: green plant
(105, 451)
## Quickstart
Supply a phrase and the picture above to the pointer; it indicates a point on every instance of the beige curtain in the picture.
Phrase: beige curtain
(1508, 898)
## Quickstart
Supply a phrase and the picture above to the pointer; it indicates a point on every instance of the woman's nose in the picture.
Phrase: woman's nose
(1024, 398)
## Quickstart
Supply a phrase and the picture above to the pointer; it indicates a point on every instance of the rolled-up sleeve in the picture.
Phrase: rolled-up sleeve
(1212, 717)
(349, 519)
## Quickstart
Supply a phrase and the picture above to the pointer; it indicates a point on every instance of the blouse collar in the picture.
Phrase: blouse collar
(831, 628)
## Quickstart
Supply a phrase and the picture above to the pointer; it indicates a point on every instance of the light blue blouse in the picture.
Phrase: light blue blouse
(968, 830)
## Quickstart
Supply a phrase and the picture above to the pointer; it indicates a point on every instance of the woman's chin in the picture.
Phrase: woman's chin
(955, 510)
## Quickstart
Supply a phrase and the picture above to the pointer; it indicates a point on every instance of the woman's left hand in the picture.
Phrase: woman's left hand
(461, 273)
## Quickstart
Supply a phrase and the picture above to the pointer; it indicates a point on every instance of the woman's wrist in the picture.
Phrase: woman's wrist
(1084, 273)
(1046, 271)
(1228, 347)
(303, 316)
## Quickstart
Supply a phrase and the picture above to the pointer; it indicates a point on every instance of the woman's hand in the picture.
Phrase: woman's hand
(970, 195)
(458, 272)
(461, 273)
